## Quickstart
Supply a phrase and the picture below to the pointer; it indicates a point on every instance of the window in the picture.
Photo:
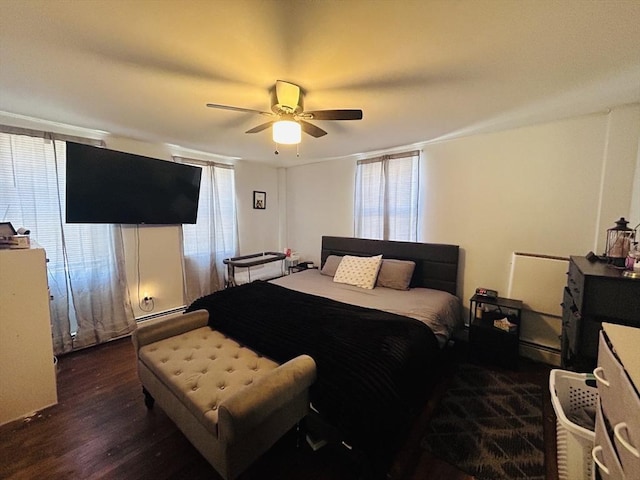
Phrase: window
(85, 277)
(214, 236)
(386, 197)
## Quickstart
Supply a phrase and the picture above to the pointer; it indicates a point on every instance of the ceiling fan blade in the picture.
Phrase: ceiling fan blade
(311, 129)
(237, 109)
(260, 127)
(335, 114)
(287, 94)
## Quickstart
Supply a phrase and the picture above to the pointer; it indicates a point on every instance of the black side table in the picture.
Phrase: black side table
(488, 343)
(300, 268)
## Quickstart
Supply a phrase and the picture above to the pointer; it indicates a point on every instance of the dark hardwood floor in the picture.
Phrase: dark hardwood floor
(101, 429)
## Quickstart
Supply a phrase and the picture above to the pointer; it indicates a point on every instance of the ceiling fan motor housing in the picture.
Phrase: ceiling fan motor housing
(287, 98)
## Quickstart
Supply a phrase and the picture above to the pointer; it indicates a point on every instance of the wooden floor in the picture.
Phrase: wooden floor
(101, 429)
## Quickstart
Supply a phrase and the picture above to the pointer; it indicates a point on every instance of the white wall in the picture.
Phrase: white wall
(258, 230)
(619, 161)
(319, 202)
(550, 189)
(159, 270)
(152, 253)
(634, 216)
(154, 266)
(152, 259)
(160, 261)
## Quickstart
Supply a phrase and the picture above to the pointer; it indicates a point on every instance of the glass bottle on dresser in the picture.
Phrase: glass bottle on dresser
(633, 258)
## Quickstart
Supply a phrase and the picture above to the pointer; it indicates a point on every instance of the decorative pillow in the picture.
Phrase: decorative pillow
(331, 265)
(395, 274)
(359, 271)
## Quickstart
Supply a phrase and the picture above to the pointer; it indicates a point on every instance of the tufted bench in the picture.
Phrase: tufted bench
(230, 402)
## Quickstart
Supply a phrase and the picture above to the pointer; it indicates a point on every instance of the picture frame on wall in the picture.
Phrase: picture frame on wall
(259, 200)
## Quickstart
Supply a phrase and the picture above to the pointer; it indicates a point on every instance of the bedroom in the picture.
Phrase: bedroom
(551, 181)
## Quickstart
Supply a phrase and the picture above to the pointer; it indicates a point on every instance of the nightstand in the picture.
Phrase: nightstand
(488, 343)
(299, 268)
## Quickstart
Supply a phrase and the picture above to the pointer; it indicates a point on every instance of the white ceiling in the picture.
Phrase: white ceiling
(420, 70)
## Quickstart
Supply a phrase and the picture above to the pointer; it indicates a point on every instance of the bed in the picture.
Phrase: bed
(431, 299)
(439, 310)
(375, 350)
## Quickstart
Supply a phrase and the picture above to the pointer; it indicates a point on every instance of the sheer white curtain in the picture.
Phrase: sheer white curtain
(85, 270)
(215, 235)
(386, 197)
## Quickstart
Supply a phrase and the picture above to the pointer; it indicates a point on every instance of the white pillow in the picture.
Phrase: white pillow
(359, 271)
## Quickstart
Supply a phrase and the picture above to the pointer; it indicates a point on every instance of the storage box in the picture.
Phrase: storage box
(570, 394)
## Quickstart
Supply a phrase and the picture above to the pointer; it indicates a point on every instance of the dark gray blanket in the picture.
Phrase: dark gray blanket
(372, 365)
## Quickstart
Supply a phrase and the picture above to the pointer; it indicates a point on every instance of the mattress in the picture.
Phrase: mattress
(439, 310)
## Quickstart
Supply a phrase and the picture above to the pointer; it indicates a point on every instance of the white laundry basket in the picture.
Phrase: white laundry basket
(570, 393)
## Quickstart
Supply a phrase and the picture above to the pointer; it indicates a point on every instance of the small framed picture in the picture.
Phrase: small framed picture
(259, 200)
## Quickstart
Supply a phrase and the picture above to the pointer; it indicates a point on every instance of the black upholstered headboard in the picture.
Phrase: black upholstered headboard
(436, 264)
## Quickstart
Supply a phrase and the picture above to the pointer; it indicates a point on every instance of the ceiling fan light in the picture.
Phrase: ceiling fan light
(287, 132)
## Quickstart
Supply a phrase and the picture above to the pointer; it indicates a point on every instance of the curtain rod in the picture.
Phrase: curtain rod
(55, 136)
(391, 156)
(177, 158)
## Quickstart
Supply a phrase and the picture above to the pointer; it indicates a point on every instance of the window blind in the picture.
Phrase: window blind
(386, 197)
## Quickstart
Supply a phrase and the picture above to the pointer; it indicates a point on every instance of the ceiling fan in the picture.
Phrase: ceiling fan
(288, 115)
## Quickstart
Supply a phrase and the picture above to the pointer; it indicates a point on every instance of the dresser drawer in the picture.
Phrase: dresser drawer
(570, 321)
(575, 284)
(603, 453)
(610, 379)
(628, 451)
(621, 406)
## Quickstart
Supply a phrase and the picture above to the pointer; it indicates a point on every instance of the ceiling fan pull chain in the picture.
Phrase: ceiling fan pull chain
(276, 152)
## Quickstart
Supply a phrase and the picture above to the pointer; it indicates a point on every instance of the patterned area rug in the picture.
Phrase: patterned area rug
(489, 426)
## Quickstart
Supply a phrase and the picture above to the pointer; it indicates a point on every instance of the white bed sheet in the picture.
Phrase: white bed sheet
(439, 310)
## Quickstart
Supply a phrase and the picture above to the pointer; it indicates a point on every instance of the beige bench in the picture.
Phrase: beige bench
(231, 403)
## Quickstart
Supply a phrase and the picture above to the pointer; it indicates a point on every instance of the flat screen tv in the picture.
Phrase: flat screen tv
(107, 186)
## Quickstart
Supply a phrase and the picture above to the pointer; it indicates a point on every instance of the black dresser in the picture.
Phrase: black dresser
(595, 293)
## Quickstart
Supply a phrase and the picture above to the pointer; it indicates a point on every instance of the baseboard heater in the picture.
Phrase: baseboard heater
(538, 280)
(540, 353)
(151, 316)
